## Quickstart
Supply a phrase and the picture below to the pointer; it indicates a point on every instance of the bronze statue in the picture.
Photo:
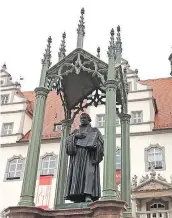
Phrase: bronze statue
(85, 148)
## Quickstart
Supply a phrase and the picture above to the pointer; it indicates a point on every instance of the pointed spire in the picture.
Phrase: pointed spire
(47, 56)
(81, 30)
(118, 45)
(111, 48)
(98, 52)
(62, 49)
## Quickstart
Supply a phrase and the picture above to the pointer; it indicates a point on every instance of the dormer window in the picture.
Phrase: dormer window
(57, 127)
(4, 99)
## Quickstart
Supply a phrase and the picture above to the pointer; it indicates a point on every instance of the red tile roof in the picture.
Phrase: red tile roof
(162, 92)
(54, 114)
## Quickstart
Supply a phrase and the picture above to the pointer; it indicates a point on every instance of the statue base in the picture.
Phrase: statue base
(97, 209)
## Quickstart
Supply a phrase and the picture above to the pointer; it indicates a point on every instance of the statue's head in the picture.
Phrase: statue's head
(85, 119)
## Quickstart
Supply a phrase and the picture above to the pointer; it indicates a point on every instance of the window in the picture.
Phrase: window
(100, 120)
(155, 157)
(4, 99)
(7, 128)
(15, 168)
(48, 164)
(136, 117)
(118, 159)
(57, 127)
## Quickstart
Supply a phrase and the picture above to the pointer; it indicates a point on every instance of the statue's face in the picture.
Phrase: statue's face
(84, 120)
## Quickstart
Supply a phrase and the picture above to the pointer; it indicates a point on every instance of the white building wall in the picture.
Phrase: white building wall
(27, 124)
(11, 190)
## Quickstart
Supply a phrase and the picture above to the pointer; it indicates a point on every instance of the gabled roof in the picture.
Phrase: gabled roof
(162, 93)
(152, 184)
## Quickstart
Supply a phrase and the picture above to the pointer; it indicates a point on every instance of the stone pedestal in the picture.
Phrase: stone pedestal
(97, 209)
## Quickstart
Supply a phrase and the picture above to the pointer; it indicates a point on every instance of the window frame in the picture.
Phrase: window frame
(103, 126)
(3, 129)
(132, 119)
(6, 177)
(5, 95)
(151, 146)
(57, 124)
(97, 121)
(41, 162)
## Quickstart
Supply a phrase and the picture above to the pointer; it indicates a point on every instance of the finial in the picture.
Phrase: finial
(170, 59)
(81, 30)
(4, 67)
(98, 52)
(62, 49)
(152, 173)
(118, 40)
(111, 48)
(47, 56)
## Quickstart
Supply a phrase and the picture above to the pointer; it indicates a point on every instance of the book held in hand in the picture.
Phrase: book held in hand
(88, 141)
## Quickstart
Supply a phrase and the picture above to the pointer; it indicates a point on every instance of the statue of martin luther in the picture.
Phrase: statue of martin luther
(85, 148)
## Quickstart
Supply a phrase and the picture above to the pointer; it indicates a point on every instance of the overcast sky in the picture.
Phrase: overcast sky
(146, 29)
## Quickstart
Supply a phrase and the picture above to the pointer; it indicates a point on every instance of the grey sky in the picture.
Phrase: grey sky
(146, 30)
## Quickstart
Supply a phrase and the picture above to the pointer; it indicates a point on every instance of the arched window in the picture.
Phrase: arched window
(15, 168)
(155, 156)
(48, 164)
(155, 206)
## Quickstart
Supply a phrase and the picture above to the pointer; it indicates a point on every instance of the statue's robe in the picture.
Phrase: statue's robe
(83, 171)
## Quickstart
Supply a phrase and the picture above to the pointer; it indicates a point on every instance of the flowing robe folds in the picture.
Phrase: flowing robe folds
(83, 171)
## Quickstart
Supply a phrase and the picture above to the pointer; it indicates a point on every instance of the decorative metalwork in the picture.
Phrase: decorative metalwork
(47, 56)
(98, 97)
(76, 64)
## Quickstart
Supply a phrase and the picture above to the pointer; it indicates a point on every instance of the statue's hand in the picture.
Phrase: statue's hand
(94, 162)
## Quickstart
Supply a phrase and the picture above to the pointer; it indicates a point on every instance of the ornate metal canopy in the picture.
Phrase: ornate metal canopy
(79, 77)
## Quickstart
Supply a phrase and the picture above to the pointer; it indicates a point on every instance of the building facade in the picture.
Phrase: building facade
(150, 106)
